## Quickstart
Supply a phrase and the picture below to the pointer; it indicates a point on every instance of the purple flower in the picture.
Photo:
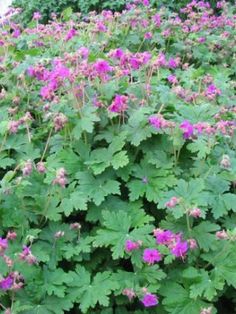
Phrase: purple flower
(187, 129)
(172, 63)
(172, 79)
(37, 16)
(180, 249)
(3, 245)
(163, 236)
(71, 33)
(119, 104)
(131, 245)
(149, 300)
(102, 66)
(151, 256)
(6, 283)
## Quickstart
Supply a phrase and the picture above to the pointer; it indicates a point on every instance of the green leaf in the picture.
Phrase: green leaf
(177, 300)
(202, 233)
(96, 188)
(117, 230)
(88, 292)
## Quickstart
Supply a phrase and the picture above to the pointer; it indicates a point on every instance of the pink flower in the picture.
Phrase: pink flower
(131, 245)
(180, 249)
(102, 67)
(129, 293)
(148, 35)
(41, 167)
(222, 235)
(187, 129)
(61, 178)
(151, 256)
(172, 79)
(163, 236)
(59, 121)
(3, 245)
(172, 63)
(172, 202)
(119, 104)
(71, 33)
(212, 91)
(195, 212)
(37, 16)
(192, 244)
(11, 235)
(146, 3)
(27, 168)
(157, 20)
(161, 60)
(6, 283)
(26, 255)
(149, 300)
(159, 122)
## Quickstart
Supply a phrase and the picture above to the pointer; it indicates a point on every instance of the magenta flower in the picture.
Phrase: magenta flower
(37, 16)
(149, 300)
(6, 283)
(151, 256)
(187, 129)
(102, 66)
(131, 245)
(119, 104)
(3, 245)
(71, 33)
(163, 236)
(157, 20)
(172, 79)
(180, 249)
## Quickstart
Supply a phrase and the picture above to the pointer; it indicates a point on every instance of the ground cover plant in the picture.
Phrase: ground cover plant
(117, 161)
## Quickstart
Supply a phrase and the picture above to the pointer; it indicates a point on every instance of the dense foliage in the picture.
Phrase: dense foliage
(47, 7)
(118, 163)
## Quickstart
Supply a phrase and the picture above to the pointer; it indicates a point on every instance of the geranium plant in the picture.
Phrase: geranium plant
(118, 162)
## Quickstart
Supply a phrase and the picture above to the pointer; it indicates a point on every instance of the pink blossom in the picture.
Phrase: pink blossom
(6, 283)
(119, 104)
(37, 16)
(71, 33)
(27, 168)
(151, 256)
(172, 79)
(132, 246)
(129, 293)
(187, 129)
(41, 167)
(157, 20)
(3, 245)
(11, 235)
(102, 67)
(180, 249)
(148, 35)
(195, 212)
(222, 235)
(26, 255)
(163, 236)
(61, 178)
(192, 244)
(149, 300)
(172, 202)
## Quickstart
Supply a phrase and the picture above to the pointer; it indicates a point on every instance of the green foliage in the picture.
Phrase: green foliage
(118, 165)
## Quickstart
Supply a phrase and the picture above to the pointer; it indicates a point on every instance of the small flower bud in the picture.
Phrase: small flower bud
(59, 234)
(225, 162)
(222, 235)
(41, 167)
